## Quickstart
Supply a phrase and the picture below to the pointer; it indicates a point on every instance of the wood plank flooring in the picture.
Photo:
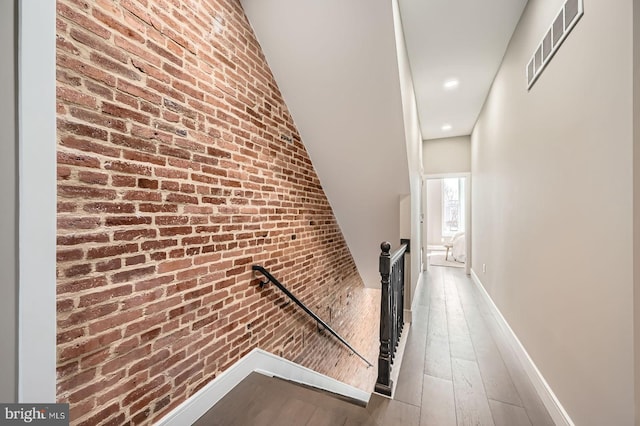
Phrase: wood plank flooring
(470, 375)
(457, 370)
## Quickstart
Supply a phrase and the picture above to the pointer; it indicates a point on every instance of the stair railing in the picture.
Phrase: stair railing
(271, 279)
(391, 311)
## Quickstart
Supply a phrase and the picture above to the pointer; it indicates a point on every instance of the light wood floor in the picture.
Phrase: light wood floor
(457, 370)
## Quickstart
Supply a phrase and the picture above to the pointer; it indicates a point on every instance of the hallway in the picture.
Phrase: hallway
(457, 370)
(470, 376)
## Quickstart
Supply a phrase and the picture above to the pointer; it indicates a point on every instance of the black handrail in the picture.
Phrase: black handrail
(272, 279)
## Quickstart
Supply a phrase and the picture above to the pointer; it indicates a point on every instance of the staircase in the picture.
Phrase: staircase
(264, 400)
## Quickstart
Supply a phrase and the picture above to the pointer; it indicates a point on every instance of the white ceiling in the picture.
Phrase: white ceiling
(463, 39)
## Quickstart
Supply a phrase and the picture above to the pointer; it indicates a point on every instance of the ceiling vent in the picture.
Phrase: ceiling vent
(565, 20)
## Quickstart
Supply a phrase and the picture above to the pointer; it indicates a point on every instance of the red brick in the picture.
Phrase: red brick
(78, 160)
(125, 359)
(125, 276)
(127, 220)
(123, 167)
(110, 22)
(97, 44)
(109, 251)
(109, 208)
(101, 416)
(93, 178)
(134, 234)
(132, 142)
(90, 345)
(75, 97)
(172, 182)
(85, 69)
(117, 111)
(98, 119)
(137, 50)
(174, 265)
(82, 20)
(69, 255)
(108, 265)
(164, 53)
(88, 146)
(96, 298)
(176, 230)
(86, 192)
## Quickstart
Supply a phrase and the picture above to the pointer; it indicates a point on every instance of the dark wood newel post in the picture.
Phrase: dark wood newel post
(383, 383)
(391, 311)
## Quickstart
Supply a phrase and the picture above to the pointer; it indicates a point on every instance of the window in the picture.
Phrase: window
(452, 206)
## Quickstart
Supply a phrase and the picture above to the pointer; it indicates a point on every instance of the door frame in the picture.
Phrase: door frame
(467, 215)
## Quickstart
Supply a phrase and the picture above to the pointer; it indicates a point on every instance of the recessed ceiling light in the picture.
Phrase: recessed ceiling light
(446, 127)
(451, 84)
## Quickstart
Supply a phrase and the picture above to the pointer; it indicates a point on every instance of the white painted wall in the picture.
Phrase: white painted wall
(449, 155)
(636, 203)
(8, 217)
(552, 207)
(337, 70)
(413, 150)
(37, 201)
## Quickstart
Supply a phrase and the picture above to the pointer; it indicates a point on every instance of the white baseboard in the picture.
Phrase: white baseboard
(549, 399)
(262, 362)
(418, 286)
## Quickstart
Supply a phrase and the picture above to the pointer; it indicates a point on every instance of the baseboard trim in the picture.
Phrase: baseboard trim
(549, 399)
(262, 362)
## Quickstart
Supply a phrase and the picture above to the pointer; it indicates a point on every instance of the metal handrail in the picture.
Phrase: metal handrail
(272, 279)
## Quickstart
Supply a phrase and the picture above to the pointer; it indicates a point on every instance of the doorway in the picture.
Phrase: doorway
(446, 222)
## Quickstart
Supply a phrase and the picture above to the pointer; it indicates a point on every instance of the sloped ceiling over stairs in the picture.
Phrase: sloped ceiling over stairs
(336, 65)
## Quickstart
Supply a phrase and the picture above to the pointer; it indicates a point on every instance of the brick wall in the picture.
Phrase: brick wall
(179, 167)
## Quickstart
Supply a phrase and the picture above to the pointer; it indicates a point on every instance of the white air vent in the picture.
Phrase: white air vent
(565, 20)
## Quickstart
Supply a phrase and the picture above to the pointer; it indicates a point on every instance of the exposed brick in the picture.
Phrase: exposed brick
(93, 178)
(132, 274)
(85, 69)
(77, 160)
(69, 255)
(104, 63)
(117, 111)
(88, 146)
(111, 22)
(174, 265)
(75, 97)
(172, 182)
(105, 208)
(164, 53)
(90, 345)
(96, 298)
(109, 251)
(127, 221)
(82, 20)
(97, 44)
(108, 265)
(102, 415)
(86, 192)
(98, 119)
(123, 167)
